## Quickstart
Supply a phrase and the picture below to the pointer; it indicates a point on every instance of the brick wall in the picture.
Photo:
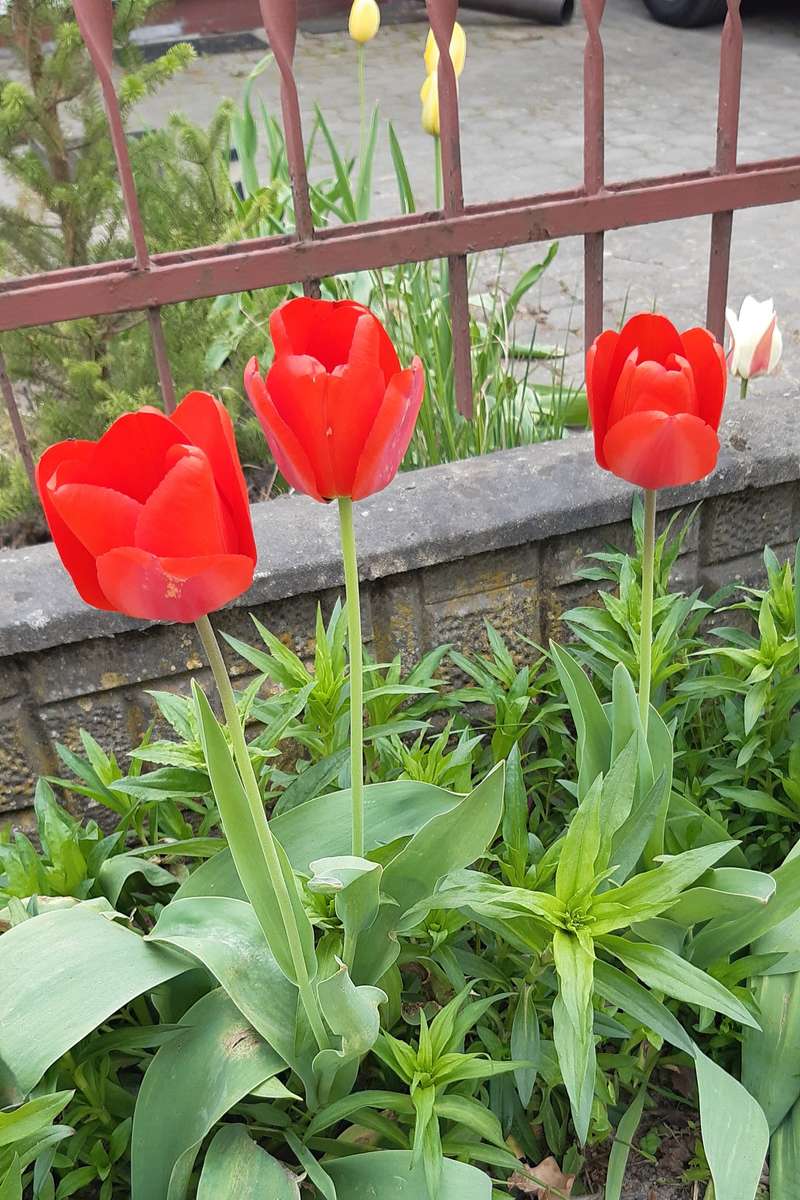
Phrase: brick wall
(441, 550)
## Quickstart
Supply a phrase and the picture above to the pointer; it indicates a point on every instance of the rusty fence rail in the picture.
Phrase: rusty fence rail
(147, 282)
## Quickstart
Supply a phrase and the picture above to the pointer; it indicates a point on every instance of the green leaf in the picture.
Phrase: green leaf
(115, 873)
(236, 1168)
(623, 1139)
(648, 894)
(225, 936)
(573, 1026)
(735, 1132)
(29, 1118)
(79, 969)
(320, 828)
(667, 972)
(189, 1085)
(719, 939)
(388, 1173)
(312, 781)
(784, 1150)
(475, 1116)
(525, 1044)
(723, 892)
(248, 837)
(349, 1106)
(11, 1181)
(447, 842)
(576, 861)
(619, 790)
(592, 724)
(316, 1173)
(352, 1014)
(355, 885)
(515, 814)
(770, 1055)
(633, 835)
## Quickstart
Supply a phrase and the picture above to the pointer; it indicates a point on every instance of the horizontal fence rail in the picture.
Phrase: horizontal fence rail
(147, 282)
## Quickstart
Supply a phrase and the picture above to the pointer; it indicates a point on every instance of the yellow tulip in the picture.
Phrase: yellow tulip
(430, 106)
(364, 21)
(458, 50)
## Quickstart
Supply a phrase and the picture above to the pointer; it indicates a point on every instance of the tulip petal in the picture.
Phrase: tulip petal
(707, 360)
(652, 335)
(98, 516)
(324, 330)
(649, 385)
(185, 515)
(760, 362)
(290, 457)
(353, 401)
(391, 433)
(655, 450)
(598, 391)
(78, 561)
(130, 455)
(298, 388)
(208, 425)
(172, 589)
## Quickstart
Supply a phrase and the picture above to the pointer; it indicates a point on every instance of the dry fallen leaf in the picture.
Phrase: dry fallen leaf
(548, 1183)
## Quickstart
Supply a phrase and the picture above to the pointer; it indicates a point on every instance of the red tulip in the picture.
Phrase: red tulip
(153, 519)
(336, 408)
(655, 399)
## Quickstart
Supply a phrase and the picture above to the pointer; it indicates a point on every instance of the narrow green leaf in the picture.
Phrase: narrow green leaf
(28, 1119)
(525, 1044)
(623, 1139)
(579, 849)
(591, 722)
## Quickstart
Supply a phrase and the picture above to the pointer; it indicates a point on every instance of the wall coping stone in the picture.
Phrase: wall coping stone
(424, 517)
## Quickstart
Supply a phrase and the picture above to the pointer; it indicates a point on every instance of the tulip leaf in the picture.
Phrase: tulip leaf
(248, 834)
(355, 885)
(225, 936)
(390, 1173)
(352, 1014)
(235, 1168)
(320, 828)
(193, 1080)
(79, 969)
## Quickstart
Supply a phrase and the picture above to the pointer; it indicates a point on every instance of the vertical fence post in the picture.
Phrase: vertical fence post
(95, 19)
(593, 164)
(17, 428)
(442, 15)
(280, 24)
(730, 88)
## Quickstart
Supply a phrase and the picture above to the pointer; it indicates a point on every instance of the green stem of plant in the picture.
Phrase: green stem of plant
(437, 172)
(362, 102)
(646, 643)
(241, 754)
(350, 560)
(743, 388)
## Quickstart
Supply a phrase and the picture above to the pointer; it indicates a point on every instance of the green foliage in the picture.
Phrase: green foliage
(508, 974)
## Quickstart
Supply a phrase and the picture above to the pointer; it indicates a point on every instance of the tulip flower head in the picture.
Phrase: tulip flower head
(337, 409)
(458, 50)
(429, 95)
(756, 342)
(655, 399)
(364, 21)
(153, 519)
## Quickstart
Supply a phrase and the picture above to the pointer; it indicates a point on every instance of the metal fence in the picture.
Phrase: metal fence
(147, 282)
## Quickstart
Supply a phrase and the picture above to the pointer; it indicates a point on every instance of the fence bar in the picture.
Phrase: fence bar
(730, 90)
(593, 164)
(111, 287)
(95, 19)
(280, 25)
(442, 15)
(18, 429)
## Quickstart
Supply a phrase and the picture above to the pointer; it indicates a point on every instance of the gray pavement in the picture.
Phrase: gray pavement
(522, 133)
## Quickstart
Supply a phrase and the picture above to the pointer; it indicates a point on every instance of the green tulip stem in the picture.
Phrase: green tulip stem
(265, 836)
(743, 387)
(350, 560)
(646, 643)
(362, 102)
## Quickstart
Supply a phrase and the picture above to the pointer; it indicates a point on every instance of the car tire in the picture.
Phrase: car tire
(688, 13)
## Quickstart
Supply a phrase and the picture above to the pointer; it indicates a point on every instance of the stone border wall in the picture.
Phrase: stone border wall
(441, 551)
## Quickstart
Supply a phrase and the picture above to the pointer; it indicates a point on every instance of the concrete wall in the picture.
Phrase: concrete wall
(441, 550)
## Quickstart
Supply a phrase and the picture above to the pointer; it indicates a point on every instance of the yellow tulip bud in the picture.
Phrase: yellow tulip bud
(430, 106)
(364, 21)
(458, 50)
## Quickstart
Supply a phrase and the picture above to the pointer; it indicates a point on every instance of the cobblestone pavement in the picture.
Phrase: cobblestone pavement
(522, 133)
